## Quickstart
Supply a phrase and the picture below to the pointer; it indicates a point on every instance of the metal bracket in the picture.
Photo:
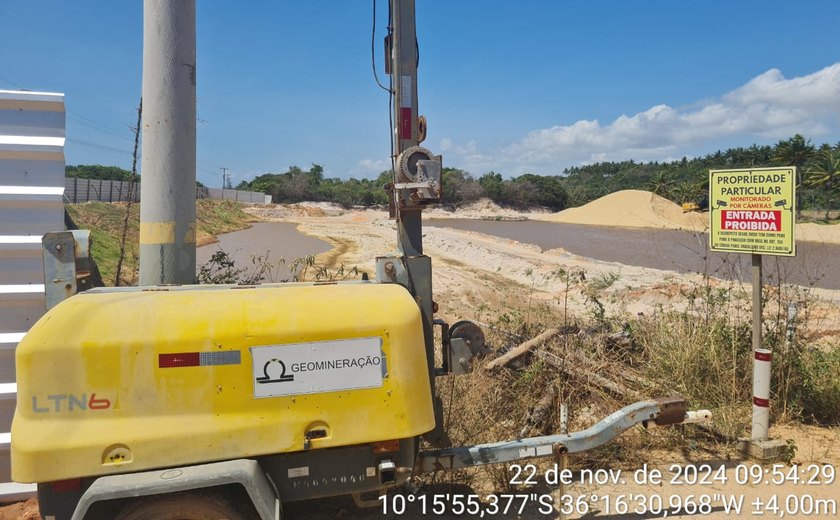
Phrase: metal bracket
(461, 356)
(391, 269)
(67, 264)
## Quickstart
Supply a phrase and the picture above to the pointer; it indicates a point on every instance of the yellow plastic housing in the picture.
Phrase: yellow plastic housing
(92, 398)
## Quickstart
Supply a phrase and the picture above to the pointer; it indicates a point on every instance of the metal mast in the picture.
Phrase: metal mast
(404, 86)
(416, 184)
(167, 201)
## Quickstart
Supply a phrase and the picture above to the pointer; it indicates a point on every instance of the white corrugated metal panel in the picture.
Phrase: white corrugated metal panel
(238, 195)
(84, 190)
(32, 133)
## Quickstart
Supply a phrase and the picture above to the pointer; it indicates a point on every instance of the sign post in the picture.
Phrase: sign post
(753, 211)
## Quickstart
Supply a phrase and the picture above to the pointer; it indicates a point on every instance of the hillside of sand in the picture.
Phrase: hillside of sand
(631, 208)
(643, 209)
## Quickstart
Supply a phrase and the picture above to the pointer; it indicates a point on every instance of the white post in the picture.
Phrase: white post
(761, 363)
(761, 394)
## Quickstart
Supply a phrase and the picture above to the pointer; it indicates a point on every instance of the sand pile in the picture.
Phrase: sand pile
(632, 208)
(483, 208)
(643, 209)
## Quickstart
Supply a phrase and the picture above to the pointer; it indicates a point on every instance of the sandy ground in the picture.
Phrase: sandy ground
(643, 209)
(474, 272)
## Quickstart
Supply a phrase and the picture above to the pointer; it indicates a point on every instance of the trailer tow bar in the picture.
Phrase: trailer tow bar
(657, 412)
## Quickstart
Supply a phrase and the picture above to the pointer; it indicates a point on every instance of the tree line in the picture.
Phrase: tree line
(297, 185)
(686, 180)
(681, 181)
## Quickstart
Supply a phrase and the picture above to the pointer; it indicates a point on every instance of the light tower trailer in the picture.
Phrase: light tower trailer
(147, 403)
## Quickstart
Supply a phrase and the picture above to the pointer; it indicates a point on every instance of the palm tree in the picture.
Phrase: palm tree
(661, 184)
(795, 152)
(758, 155)
(685, 192)
(824, 171)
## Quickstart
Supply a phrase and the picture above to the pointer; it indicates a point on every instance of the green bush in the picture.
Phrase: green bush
(819, 391)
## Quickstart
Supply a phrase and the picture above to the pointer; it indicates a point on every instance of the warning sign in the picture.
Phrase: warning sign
(752, 211)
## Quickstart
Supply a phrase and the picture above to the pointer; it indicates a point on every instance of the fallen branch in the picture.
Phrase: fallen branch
(579, 366)
(522, 349)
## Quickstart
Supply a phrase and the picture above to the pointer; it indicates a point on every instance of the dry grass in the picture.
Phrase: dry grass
(701, 353)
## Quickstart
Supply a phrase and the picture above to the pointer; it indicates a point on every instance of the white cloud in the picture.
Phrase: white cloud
(370, 167)
(767, 107)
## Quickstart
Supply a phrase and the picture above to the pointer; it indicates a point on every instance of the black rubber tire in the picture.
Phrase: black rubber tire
(180, 506)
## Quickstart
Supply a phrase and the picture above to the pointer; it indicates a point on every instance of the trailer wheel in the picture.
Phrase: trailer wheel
(181, 506)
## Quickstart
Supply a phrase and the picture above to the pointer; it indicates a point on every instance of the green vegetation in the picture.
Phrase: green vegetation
(681, 181)
(105, 222)
(222, 269)
(705, 351)
(687, 179)
(97, 171)
(297, 185)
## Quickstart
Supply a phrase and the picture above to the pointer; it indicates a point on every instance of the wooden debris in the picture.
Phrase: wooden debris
(578, 365)
(538, 415)
(522, 349)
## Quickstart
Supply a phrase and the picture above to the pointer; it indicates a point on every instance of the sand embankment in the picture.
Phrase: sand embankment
(643, 209)
(631, 208)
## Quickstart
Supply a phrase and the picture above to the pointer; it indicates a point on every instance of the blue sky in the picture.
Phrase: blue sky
(512, 86)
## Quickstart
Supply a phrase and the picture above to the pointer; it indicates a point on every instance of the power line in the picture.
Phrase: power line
(83, 119)
(12, 83)
(93, 125)
(98, 146)
(373, 53)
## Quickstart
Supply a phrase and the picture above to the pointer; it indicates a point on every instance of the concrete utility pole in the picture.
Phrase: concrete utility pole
(224, 177)
(167, 201)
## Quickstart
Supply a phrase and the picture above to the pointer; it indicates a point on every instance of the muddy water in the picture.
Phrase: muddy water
(275, 240)
(816, 264)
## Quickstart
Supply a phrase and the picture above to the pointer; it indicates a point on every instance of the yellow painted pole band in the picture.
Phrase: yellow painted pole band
(23, 104)
(164, 233)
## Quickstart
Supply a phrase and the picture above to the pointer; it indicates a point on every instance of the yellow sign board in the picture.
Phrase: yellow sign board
(752, 210)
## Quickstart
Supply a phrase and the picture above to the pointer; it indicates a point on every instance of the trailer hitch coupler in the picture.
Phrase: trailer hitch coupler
(671, 411)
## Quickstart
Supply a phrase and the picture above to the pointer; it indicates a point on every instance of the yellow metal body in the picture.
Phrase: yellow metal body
(93, 398)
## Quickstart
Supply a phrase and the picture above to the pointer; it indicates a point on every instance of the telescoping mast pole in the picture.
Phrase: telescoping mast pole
(416, 181)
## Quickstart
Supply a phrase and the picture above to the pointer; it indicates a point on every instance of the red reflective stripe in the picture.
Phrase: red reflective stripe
(763, 356)
(763, 403)
(60, 486)
(182, 359)
(405, 123)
